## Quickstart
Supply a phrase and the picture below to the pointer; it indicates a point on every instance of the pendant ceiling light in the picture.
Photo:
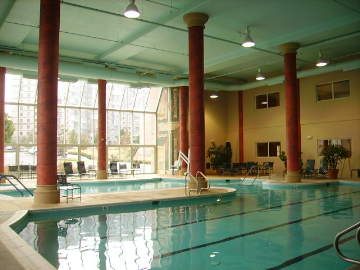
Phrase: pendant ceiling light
(321, 62)
(248, 41)
(260, 76)
(214, 95)
(131, 10)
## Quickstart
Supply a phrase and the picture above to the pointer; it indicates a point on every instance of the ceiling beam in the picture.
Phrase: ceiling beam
(210, 64)
(5, 8)
(146, 29)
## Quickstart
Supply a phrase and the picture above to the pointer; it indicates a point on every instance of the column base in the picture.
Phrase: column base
(102, 174)
(293, 177)
(46, 194)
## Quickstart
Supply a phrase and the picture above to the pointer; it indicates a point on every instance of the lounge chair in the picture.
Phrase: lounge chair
(266, 168)
(67, 189)
(82, 170)
(309, 170)
(113, 166)
(323, 170)
(69, 170)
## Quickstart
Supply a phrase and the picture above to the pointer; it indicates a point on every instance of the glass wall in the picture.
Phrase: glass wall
(131, 123)
(168, 129)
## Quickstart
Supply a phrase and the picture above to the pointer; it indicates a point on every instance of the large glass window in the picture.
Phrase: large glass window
(267, 149)
(332, 90)
(131, 123)
(268, 100)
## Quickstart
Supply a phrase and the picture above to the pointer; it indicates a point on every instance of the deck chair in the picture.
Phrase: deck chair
(68, 190)
(123, 169)
(309, 168)
(113, 168)
(266, 168)
(69, 170)
(323, 170)
(82, 170)
(252, 168)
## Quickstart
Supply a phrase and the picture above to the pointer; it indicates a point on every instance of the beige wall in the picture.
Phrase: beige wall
(330, 119)
(221, 120)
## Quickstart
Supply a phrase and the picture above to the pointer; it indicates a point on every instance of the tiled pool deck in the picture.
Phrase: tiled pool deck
(15, 254)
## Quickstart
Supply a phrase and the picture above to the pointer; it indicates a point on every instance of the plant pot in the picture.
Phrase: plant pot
(333, 173)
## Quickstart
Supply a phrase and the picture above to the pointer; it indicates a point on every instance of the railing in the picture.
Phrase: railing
(8, 177)
(199, 173)
(337, 242)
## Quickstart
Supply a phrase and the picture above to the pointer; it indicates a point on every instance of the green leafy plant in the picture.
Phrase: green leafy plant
(333, 154)
(216, 155)
(283, 158)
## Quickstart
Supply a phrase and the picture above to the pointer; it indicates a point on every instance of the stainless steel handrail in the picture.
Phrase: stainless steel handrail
(337, 242)
(7, 176)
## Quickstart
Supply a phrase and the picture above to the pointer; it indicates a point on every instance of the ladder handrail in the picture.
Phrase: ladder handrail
(337, 242)
(7, 176)
(183, 157)
(4, 176)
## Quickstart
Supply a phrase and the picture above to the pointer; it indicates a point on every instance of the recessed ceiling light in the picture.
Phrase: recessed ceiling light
(132, 11)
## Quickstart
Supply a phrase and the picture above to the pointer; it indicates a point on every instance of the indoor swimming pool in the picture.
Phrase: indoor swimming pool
(88, 187)
(257, 228)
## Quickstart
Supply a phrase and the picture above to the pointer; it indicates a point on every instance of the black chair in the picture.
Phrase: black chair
(24, 170)
(82, 170)
(309, 170)
(67, 189)
(266, 168)
(13, 170)
(69, 170)
(252, 168)
(32, 171)
(323, 170)
(113, 168)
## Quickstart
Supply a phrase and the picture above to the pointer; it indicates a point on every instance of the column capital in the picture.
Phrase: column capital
(290, 47)
(195, 19)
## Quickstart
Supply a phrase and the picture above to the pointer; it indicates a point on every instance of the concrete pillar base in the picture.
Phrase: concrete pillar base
(101, 174)
(293, 177)
(46, 194)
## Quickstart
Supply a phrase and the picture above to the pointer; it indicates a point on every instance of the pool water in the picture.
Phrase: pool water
(256, 229)
(113, 186)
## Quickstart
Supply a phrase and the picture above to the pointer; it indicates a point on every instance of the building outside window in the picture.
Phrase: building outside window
(268, 100)
(332, 90)
(267, 149)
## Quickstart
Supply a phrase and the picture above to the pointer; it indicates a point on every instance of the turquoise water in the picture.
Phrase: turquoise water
(113, 186)
(256, 229)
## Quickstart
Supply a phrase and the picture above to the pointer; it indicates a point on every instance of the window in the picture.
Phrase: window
(332, 90)
(268, 149)
(324, 143)
(268, 100)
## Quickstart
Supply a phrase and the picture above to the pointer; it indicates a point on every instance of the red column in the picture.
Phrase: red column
(101, 170)
(298, 112)
(183, 111)
(46, 191)
(2, 117)
(292, 112)
(196, 22)
(241, 128)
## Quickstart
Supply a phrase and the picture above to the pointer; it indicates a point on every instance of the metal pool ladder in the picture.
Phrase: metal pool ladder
(337, 242)
(11, 179)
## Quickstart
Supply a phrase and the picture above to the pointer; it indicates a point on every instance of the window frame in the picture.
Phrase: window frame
(267, 100)
(268, 149)
(332, 90)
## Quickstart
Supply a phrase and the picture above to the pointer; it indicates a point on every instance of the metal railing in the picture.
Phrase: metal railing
(337, 242)
(8, 177)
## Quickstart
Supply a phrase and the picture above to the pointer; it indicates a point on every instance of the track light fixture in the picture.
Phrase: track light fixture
(321, 62)
(248, 41)
(260, 76)
(132, 10)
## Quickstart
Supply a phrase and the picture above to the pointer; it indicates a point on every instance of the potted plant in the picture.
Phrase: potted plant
(216, 155)
(333, 154)
(283, 158)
